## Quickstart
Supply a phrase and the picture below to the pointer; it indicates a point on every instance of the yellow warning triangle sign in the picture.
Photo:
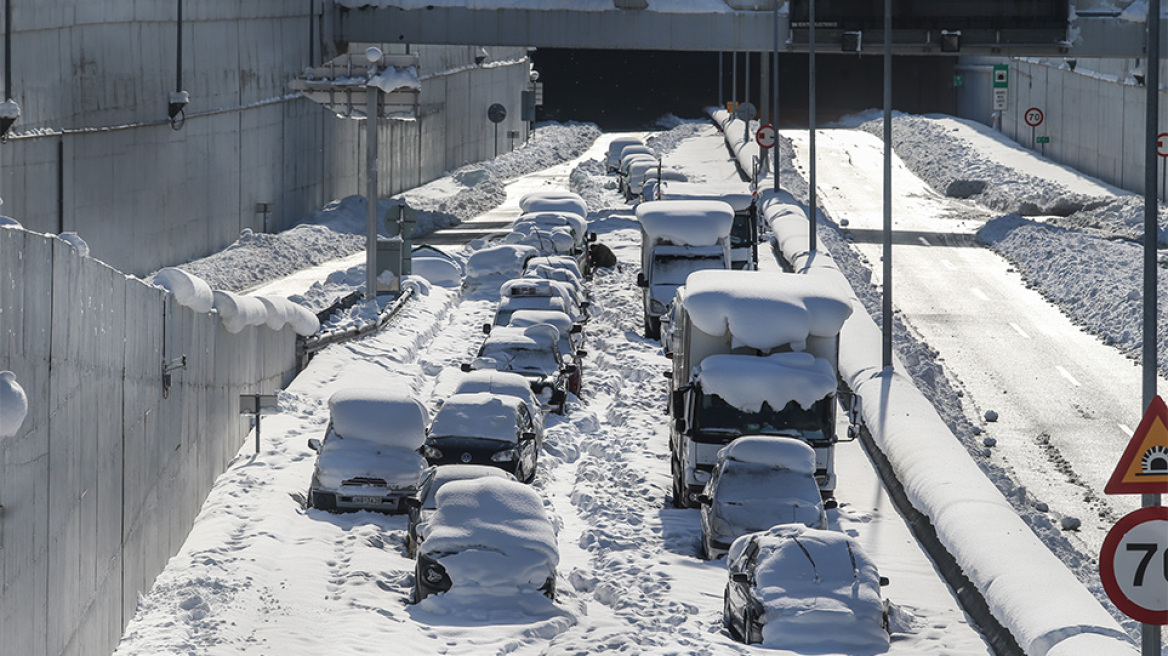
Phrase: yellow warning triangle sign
(1143, 467)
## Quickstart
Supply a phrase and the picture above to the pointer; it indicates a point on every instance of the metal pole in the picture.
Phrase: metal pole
(746, 82)
(775, 97)
(258, 413)
(1150, 638)
(734, 78)
(8, 48)
(721, 83)
(813, 205)
(178, 49)
(371, 98)
(887, 309)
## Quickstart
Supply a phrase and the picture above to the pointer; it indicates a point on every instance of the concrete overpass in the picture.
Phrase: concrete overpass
(1095, 29)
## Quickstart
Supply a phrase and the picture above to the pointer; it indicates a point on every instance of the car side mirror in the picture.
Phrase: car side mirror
(314, 444)
(740, 577)
(679, 426)
(668, 374)
(576, 329)
(830, 504)
(592, 236)
(704, 499)
(466, 367)
(678, 405)
(883, 581)
(570, 369)
(584, 305)
(641, 280)
(526, 437)
(581, 353)
(413, 502)
(487, 329)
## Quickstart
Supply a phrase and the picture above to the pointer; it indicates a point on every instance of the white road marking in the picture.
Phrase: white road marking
(924, 241)
(1126, 430)
(979, 293)
(1066, 374)
(1019, 330)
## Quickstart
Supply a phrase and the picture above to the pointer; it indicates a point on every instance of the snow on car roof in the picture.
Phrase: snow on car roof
(808, 585)
(390, 417)
(558, 261)
(492, 533)
(776, 452)
(506, 383)
(747, 381)
(524, 318)
(739, 200)
(533, 337)
(576, 222)
(481, 414)
(686, 222)
(765, 310)
(553, 201)
(444, 474)
(502, 259)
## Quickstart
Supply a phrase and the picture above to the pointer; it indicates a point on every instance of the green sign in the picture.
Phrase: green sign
(958, 80)
(1001, 76)
(1043, 139)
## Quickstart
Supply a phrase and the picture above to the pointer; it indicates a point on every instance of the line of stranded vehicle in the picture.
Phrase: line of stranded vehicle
(474, 524)
(753, 391)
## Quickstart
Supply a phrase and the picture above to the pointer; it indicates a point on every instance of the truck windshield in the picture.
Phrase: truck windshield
(714, 418)
(740, 232)
(673, 269)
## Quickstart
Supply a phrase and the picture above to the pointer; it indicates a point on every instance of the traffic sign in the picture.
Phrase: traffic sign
(496, 113)
(765, 137)
(1043, 140)
(745, 111)
(958, 80)
(1001, 76)
(1162, 144)
(1143, 467)
(1034, 117)
(1133, 565)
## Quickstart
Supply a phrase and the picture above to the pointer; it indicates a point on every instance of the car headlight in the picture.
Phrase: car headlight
(656, 306)
(504, 456)
(431, 452)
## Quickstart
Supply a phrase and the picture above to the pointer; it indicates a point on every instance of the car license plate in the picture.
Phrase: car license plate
(372, 501)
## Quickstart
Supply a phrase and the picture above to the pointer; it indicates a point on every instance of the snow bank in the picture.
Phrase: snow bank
(485, 415)
(766, 310)
(974, 522)
(382, 415)
(75, 240)
(686, 222)
(497, 533)
(189, 290)
(748, 381)
(554, 201)
(13, 405)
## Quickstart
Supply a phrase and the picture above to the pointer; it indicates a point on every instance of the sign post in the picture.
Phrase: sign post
(1162, 151)
(496, 113)
(1033, 118)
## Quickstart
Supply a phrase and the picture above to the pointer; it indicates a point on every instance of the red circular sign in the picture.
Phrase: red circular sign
(1162, 144)
(765, 137)
(1034, 117)
(1133, 565)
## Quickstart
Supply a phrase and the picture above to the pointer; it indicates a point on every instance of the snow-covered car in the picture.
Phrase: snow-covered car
(571, 338)
(369, 457)
(533, 353)
(436, 266)
(549, 200)
(759, 482)
(613, 158)
(557, 261)
(639, 171)
(502, 261)
(546, 221)
(423, 504)
(793, 586)
(502, 382)
(537, 294)
(488, 537)
(485, 429)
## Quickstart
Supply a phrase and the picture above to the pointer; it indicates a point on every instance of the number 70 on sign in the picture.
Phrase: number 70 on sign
(1133, 565)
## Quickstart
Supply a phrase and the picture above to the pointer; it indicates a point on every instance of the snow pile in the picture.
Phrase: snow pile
(385, 415)
(189, 290)
(815, 583)
(75, 240)
(686, 223)
(748, 381)
(9, 222)
(553, 201)
(492, 536)
(765, 310)
(13, 405)
(482, 415)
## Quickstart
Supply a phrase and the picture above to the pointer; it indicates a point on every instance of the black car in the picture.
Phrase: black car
(485, 429)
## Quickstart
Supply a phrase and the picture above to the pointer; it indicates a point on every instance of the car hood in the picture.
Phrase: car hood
(344, 459)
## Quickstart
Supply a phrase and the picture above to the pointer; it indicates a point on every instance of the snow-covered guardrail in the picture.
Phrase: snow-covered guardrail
(309, 345)
(1028, 590)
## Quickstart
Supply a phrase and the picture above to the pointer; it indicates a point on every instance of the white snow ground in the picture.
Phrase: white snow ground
(258, 572)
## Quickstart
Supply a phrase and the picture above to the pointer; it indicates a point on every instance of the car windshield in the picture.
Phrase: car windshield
(715, 417)
(673, 269)
(740, 233)
(522, 360)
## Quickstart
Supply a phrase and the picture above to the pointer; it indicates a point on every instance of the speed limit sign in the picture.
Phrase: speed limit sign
(1033, 117)
(1133, 565)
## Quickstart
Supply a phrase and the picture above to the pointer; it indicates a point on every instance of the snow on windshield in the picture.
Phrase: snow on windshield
(391, 417)
(686, 222)
(748, 381)
(484, 415)
(497, 532)
(673, 269)
(765, 310)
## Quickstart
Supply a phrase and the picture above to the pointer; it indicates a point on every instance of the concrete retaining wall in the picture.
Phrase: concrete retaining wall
(93, 151)
(107, 474)
(1094, 116)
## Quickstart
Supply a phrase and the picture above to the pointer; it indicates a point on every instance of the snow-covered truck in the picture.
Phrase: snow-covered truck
(743, 233)
(754, 353)
(679, 237)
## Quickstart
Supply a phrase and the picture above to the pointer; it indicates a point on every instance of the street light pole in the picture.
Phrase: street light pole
(887, 290)
(371, 111)
(811, 201)
(775, 96)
